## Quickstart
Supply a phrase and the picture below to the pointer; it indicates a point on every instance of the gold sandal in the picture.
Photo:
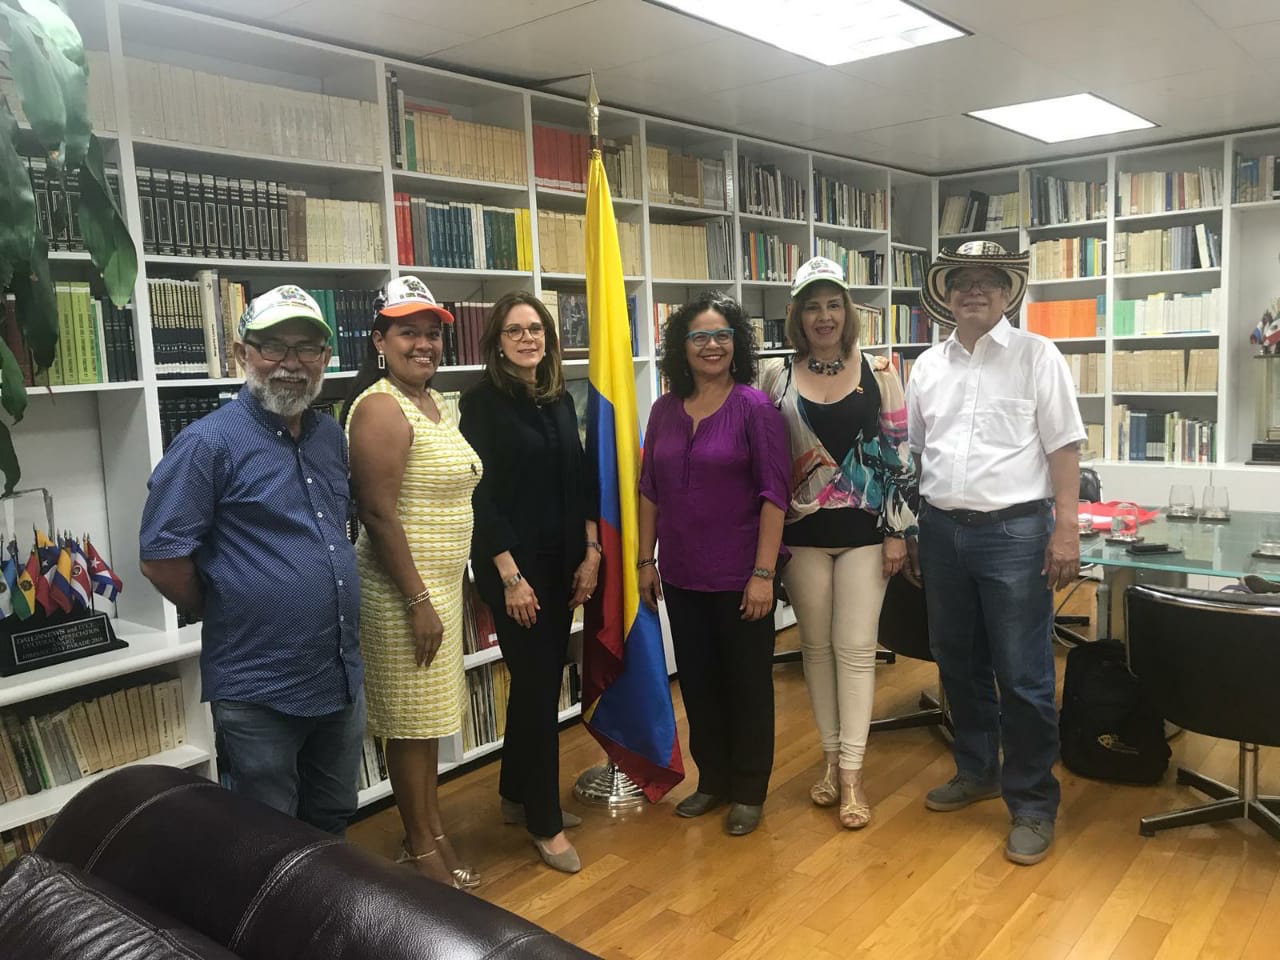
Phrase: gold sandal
(464, 877)
(855, 811)
(825, 793)
(407, 857)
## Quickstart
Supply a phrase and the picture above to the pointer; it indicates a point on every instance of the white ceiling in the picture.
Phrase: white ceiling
(1191, 66)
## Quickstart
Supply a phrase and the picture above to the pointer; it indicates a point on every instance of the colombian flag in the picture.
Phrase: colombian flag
(57, 593)
(626, 695)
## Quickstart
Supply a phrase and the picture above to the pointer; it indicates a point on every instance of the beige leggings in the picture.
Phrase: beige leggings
(837, 594)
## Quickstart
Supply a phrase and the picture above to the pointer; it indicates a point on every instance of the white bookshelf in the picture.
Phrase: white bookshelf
(94, 446)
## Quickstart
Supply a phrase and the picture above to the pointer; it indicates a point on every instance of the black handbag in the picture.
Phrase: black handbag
(1108, 728)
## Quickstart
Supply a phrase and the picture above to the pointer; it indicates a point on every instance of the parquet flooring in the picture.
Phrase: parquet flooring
(914, 884)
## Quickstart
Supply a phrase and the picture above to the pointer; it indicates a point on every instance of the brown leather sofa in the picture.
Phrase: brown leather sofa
(153, 862)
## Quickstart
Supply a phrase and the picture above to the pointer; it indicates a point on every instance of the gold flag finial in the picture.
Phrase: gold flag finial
(593, 107)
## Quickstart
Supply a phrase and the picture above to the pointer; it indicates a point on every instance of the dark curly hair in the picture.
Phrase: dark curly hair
(675, 364)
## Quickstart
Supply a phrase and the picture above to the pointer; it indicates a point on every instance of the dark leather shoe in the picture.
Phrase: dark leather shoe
(742, 819)
(696, 804)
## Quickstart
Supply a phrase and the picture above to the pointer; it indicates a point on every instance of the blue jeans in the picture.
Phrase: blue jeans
(990, 623)
(307, 767)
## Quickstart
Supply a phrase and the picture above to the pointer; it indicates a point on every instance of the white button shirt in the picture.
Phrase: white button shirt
(984, 423)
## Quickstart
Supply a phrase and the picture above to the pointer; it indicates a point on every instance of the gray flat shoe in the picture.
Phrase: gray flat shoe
(566, 861)
(1029, 840)
(513, 815)
(696, 804)
(742, 819)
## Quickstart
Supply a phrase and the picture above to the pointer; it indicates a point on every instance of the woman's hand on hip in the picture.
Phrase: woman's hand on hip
(650, 586)
(522, 603)
(893, 556)
(757, 598)
(428, 632)
(585, 578)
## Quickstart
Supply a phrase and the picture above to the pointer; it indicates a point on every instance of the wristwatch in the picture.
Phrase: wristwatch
(512, 580)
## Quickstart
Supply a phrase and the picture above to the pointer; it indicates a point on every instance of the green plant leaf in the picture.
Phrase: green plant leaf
(8, 460)
(17, 202)
(36, 307)
(66, 54)
(13, 393)
(106, 236)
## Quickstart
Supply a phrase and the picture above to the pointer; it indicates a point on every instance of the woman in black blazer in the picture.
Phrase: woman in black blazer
(535, 552)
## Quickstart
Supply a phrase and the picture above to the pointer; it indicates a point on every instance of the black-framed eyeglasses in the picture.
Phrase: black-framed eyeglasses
(985, 284)
(517, 332)
(275, 351)
(700, 338)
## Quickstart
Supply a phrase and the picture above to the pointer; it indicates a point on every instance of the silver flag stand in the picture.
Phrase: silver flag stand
(607, 786)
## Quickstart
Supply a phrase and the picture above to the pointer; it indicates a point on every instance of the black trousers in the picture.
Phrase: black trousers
(726, 677)
(535, 657)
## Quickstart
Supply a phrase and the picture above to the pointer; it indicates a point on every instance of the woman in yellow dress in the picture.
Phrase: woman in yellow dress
(412, 477)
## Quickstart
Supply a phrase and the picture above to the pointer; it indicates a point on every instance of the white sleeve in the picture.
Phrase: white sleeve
(915, 419)
(1057, 411)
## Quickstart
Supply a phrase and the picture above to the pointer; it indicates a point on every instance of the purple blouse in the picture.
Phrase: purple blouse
(708, 486)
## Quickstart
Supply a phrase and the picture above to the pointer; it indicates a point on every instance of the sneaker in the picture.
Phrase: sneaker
(1029, 840)
(958, 793)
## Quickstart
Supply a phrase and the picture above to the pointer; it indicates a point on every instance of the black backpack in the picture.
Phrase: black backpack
(1108, 729)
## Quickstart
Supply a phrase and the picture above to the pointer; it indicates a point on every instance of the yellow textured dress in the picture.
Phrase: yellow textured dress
(406, 701)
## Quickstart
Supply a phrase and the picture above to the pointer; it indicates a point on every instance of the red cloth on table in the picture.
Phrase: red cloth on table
(1103, 512)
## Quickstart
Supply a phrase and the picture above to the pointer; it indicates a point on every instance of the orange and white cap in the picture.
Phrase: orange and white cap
(407, 295)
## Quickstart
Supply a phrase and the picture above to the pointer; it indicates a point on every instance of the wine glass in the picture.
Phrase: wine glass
(1215, 504)
(1182, 500)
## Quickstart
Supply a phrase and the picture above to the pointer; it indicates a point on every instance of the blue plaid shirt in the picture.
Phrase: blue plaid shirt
(264, 518)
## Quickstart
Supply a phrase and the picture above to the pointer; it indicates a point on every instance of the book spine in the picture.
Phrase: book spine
(163, 212)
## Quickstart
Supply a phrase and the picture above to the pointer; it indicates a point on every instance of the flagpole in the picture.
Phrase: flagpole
(604, 785)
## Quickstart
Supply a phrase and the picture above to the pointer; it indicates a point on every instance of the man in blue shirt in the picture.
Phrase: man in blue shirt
(245, 529)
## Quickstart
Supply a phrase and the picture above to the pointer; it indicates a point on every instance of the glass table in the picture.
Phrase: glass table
(1208, 548)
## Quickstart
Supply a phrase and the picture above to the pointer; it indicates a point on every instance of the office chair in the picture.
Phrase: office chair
(1209, 662)
(904, 629)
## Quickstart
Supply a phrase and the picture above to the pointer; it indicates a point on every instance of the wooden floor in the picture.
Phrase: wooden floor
(914, 885)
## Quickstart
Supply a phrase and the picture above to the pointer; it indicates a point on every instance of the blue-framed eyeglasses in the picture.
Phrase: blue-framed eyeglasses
(700, 338)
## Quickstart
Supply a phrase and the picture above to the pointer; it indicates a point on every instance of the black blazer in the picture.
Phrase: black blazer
(503, 430)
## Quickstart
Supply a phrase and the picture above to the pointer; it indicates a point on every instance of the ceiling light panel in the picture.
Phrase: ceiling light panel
(1059, 119)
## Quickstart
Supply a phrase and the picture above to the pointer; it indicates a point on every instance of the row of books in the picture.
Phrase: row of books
(1057, 319)
(1094, 447)
(1088, 371)
(766, 256)
(484, 711)
(168, 102)
(569, 311)
(845, 205)
(1054, 200)
(862, 268)
(179, 410)
(1165, 371)
(1256, 178)
(58, 202)
(1167, 313)
(478, 629)
(193, 325)
(909, 268)
(871, 325)
(426, 139)
(102, 95)
(1160, 191)
(373, 763)
(766, 191)
(1190, 247)
(1068, 258)
(22, 840)
(685, 180)
(562, 244)
(771, 334)
(1163, 437)
(53, 742)
(977, 211)
(697, 251)
(560, 161)
(95, 340)
(467, 236)
(908, 324)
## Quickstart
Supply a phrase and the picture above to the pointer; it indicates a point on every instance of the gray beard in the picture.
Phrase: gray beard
(281, 401)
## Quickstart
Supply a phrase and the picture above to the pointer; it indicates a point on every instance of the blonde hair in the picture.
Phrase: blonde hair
(795, 325)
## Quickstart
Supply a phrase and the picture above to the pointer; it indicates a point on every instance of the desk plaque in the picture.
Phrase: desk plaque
(59, 639)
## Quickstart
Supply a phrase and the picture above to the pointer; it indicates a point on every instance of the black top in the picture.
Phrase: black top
(838, 426)
(538, 489)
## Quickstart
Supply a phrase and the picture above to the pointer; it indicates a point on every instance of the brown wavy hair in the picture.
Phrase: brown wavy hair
(548, 382)
(795, 325)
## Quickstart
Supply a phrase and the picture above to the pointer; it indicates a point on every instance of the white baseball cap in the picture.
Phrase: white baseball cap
(407, 295)
(282, 303)
(818, 270)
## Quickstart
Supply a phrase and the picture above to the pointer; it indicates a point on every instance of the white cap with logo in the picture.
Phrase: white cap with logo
(286, 302)
(818, 270)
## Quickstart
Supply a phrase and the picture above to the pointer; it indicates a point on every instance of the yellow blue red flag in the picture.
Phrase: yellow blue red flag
(626, 694)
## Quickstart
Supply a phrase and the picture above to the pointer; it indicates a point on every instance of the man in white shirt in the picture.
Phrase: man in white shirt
(994, 426)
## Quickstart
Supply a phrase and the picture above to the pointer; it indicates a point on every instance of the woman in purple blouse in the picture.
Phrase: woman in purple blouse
(714, 486)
